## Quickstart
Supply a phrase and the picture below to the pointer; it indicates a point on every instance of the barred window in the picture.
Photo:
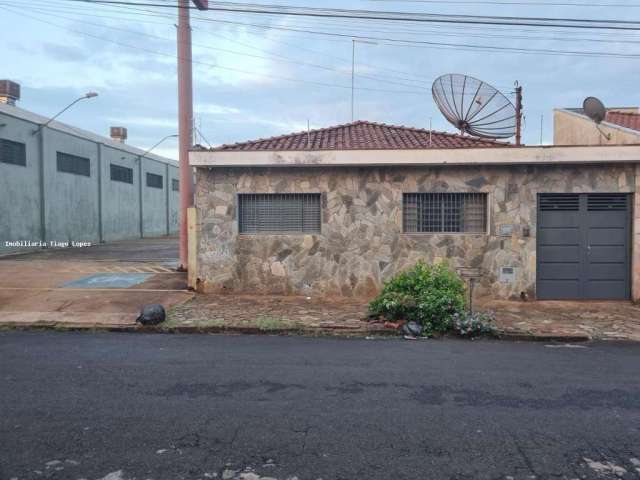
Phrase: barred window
(154, 181)
(175, 185)
(14, 153)
(121, 174)
(444, 212)
(279, 213)
(73, 164)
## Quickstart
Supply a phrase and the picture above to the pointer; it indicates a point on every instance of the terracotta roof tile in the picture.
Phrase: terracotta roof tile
(624, 119)
(363, 135)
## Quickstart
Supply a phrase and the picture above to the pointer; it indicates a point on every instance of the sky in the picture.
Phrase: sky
(259, 81)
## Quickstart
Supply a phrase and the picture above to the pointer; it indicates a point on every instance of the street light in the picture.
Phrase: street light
(353, 70)
(84, 97)
(174, 135)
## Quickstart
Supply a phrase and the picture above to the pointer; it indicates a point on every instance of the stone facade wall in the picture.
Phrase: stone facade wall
(362, 243)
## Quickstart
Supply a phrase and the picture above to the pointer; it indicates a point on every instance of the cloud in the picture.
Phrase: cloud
(151, 121)
(65, 53)
(215, 109)
(249, 97)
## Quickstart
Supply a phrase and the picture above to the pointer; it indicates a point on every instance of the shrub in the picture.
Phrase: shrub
(474, 324)
(427, 294)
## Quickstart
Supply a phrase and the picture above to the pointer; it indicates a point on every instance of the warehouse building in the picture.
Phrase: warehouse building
(61, 184)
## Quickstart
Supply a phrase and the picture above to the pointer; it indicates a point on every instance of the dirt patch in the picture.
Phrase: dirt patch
(272, 313)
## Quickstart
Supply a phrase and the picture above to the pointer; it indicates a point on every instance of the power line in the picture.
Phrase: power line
(464, 28)
(377, 78)
(534, 4)
(607, 24)
(272, 57)
(445, 45)
(468, 47)
(211, 65)
(417, 78)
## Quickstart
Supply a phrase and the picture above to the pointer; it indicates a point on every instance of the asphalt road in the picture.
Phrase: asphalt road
(132, 406)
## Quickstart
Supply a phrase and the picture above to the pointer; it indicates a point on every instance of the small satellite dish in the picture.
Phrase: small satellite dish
(474, 107)
(594, 109)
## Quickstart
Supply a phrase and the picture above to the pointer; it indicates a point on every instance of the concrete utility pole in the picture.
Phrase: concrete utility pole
(185, 118)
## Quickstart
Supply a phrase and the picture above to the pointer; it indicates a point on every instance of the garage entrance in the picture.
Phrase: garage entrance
(583, 246)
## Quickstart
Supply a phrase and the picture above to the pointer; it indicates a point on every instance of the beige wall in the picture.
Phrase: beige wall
(362, 244)
(573, 129)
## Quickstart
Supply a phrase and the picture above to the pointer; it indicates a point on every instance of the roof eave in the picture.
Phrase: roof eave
(422, 157)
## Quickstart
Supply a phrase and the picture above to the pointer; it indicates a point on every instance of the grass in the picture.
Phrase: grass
(268, 323)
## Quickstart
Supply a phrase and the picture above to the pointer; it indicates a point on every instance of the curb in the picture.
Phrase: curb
(134, 328)
(532, 337)
(320, 331)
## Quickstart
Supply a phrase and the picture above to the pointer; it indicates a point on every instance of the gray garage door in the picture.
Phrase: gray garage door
(583, 246)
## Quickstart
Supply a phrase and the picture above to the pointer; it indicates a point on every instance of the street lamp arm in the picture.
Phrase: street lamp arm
(174, 135)
(85, 96)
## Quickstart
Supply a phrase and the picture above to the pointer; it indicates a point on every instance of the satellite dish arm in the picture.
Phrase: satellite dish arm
(494, 122)
(483, 106)
(492, 113)
(475, 95)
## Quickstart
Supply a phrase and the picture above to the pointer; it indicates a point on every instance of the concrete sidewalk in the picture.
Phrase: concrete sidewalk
(562, 321)
(103, 286)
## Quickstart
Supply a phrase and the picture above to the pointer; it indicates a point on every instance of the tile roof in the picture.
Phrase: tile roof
(624, 119)
(363, 135)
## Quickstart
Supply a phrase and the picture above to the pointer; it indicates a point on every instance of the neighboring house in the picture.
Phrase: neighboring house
(621, 126)
(65, 184)
(337, 211)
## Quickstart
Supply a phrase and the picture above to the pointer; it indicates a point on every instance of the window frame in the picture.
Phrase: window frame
(129, 170)
(160, 187)
(238, 225)
(175, 185)
(24, 152)
(76, 157)
(487, 215)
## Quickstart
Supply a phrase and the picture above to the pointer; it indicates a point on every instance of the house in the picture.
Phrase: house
(60, 183)
(337, 211)
(620, 126)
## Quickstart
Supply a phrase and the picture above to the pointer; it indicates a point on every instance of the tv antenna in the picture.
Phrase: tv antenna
(477, 108)
(596, 111)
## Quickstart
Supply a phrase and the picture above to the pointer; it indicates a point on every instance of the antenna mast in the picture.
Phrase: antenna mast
(518, 114)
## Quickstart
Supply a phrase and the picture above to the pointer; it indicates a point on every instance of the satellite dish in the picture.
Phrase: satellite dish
(474, 107)
(594, 109)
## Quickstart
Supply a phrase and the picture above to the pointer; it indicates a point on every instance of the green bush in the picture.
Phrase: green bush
(427, 294)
